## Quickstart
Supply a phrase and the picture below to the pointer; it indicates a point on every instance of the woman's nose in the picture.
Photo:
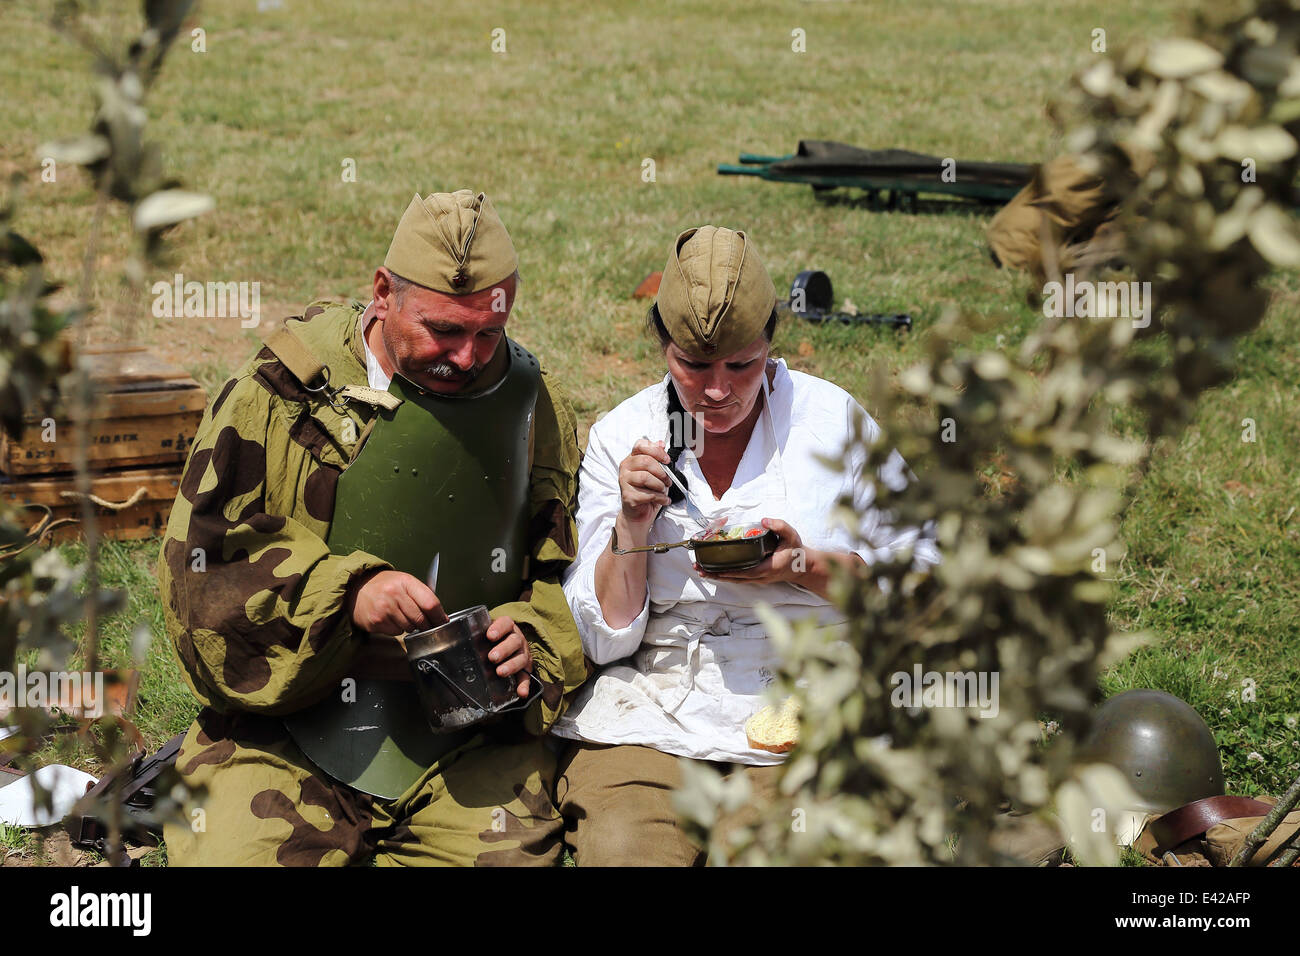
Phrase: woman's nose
(716, 391)
(716, 388)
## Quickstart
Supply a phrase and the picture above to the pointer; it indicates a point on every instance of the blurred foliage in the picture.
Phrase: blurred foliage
(42, 593)
(1202, 132)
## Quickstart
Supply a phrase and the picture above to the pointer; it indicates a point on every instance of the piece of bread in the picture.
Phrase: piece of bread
(775, 729)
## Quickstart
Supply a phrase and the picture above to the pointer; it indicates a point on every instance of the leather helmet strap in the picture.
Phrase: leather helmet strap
(1178, 826)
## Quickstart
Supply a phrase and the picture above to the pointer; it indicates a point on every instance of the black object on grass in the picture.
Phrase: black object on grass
(811, 298)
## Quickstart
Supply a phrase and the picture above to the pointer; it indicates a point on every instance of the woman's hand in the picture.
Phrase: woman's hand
(788, 562)
(791, 562)
(642, 487)
(643, 490)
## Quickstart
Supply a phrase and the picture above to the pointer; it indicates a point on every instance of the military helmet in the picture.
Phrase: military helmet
(1160, 744)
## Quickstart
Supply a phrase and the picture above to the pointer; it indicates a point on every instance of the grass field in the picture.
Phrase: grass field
(556, 130)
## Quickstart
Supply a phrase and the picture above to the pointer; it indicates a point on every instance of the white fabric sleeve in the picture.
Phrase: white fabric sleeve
(880, 540)
(598, 505)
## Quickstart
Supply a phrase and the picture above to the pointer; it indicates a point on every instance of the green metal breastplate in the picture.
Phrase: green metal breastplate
(438, 475)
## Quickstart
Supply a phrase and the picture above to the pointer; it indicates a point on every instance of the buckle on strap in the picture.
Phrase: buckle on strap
(306, 368)
(332, 396)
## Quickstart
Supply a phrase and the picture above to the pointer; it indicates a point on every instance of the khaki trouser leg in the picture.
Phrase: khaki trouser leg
(617, 805)
(266, 803)
(485, 805)
(762, 791)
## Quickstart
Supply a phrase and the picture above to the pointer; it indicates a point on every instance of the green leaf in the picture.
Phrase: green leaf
(1180, 57)
(17, 251)
(168, 207)
(166, 15)
(1221, 87)
(1272, 233)
(1264, 144)
(79, 150)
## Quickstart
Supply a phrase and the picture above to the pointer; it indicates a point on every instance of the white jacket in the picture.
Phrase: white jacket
(689, 671)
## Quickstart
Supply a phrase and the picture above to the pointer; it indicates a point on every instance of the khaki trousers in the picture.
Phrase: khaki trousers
(616, 801)
(486, 803)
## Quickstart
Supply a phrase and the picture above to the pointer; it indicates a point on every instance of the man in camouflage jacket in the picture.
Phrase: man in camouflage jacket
(270, 618)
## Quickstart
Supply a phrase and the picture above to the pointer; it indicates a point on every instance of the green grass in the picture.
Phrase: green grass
(17, 843)
(556, 130)
(1213, 564)
(165, 706)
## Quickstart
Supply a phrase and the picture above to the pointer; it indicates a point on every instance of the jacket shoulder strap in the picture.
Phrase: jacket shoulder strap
(295, 356)
(303, 364)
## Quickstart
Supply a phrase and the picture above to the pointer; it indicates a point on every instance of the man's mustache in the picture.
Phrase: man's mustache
(447, 372)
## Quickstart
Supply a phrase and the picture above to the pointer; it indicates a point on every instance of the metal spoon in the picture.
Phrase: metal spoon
(696, 514)
(432, 581)
(692, 510)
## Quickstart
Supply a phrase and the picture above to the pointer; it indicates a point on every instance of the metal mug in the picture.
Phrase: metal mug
(457, 684)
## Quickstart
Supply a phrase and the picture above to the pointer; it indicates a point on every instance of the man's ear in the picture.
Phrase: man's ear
(380, 289)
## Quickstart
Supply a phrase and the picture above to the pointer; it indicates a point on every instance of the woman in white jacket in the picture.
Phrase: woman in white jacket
(684, 658)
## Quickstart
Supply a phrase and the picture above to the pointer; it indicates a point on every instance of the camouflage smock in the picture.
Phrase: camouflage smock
(252, 597)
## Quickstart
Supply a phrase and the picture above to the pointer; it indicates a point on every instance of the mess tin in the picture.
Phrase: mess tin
(736, 548)
(457, 684)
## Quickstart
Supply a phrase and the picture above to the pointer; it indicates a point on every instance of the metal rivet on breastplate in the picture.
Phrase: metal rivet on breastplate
(396, 469)
(451, 497)
(414, 473)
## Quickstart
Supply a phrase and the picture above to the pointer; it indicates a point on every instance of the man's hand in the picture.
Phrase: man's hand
(393, 602)
(511, 653)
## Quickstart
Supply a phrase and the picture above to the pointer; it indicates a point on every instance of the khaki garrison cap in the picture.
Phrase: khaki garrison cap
(452, 242)
(715, 296)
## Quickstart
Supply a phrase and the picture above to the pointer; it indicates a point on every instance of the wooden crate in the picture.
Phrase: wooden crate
(147, 517)
(145, 411)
